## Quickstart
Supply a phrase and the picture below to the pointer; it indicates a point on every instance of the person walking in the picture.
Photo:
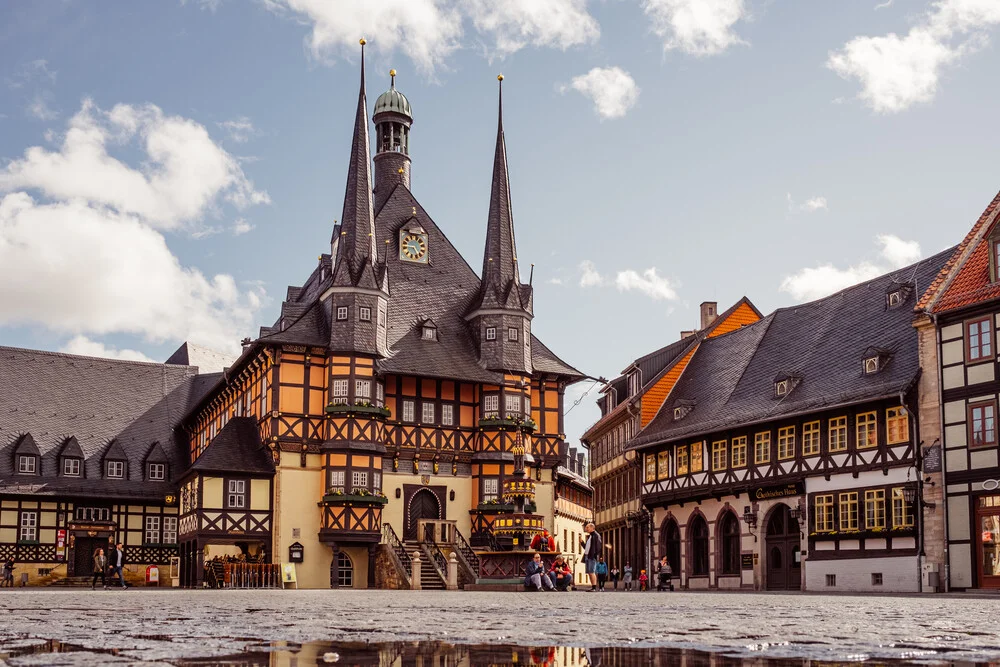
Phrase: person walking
(100, 570)
(627, 577)
(615, 573)
(602, 573)
(118, 563)
(593, 547)
(8, 573)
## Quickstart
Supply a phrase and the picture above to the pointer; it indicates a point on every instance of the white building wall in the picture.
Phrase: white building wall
(899, 575)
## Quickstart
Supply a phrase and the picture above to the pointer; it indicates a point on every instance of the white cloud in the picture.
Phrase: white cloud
(696, 27)
(185, 175)
(91, 348)
(810, 205)
(555, 281)
(649, 283)
(612, 90)
(39, 108)
(820, 281)
(514, 24)
(240, 227)
(589, 277)
(897, 72)
(31, 72)
(429, 31)
(239, 129)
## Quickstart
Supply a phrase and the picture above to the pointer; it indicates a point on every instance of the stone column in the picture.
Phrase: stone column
(415, 574)
(452, 572)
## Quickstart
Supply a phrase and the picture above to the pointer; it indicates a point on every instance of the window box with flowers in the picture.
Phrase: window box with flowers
(357, 496)
(495, 421)
(359, 408)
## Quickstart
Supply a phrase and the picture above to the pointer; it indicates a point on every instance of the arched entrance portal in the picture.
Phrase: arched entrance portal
(670, 538)
(782, 544)
(423, 505)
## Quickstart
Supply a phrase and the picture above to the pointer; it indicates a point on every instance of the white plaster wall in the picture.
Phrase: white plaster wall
(960, 569)
(899, 574)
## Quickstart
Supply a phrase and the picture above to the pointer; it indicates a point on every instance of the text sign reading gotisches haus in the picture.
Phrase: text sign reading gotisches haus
(770, 492)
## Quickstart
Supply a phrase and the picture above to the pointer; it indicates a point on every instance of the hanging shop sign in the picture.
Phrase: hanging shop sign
(61, 544)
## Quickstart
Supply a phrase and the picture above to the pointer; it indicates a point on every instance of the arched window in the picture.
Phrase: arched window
(698, 534)
(670, 538)
(729, 534)
(345, 571)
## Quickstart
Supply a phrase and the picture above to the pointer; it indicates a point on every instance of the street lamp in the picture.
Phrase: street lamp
(795, 513)
(909, 494)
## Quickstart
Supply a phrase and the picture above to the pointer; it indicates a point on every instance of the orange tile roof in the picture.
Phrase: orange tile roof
(965, 278)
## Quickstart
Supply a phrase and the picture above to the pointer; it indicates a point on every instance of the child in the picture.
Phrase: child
(643, 580)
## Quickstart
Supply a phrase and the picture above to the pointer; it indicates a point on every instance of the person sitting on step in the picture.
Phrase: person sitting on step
(534, 576)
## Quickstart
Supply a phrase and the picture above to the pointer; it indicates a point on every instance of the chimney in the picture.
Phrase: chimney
(709, 311)
(571, 461)
(581, 467)
(687, 334)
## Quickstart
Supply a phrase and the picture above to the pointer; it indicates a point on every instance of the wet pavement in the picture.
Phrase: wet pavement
(377, 627)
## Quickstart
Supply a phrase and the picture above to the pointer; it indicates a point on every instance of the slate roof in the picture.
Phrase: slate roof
(86, 406)
(237, 448)
(204, 359)
(730, 381)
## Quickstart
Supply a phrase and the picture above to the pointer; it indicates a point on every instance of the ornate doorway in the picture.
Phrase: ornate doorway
(782, 546)
(423, 504)
(988, 541)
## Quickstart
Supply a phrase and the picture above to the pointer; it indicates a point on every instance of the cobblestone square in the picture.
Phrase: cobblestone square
(161, 627)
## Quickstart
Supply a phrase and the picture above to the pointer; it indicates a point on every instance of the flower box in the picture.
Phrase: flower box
(528, 426)
(495, 508)
(353, 498)
(372, 410)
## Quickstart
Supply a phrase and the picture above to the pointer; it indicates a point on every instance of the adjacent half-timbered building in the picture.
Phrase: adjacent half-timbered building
(393, 388)
(784, 457)
(628, 403)
(959, 315)
(91, 458)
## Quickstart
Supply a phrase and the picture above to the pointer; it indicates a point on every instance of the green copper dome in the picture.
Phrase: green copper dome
(392, 100)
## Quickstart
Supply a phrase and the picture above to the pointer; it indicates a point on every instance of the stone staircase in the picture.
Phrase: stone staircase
(430, 580)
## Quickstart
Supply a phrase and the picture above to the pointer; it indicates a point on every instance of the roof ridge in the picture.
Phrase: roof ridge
(68, 355)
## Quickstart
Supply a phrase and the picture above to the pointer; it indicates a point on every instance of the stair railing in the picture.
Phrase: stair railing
(404, 563)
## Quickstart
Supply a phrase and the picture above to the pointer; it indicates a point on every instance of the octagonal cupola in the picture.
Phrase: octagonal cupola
(393, 118)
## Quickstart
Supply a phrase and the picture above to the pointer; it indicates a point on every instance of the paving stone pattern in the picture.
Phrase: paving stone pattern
(152, 627)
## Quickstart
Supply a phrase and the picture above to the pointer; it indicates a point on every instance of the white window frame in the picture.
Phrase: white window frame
(408, 408)
(448, 414)
(115, 469)
(340, 388)
(27, 523)
(491, 333)
(71, 467)
(512, 404)
(337, 479)
(237, 494)
(151, 531)
(376, 481)
(157, 471)
(511, 333)
(362, 389)
(27, 464)
(871, 365)
(427, 412)
(341, 313)
(365, 314)
(169, 534)
(491, 403)
(380, 392)
(428, 333)
(359, 479)
(491, 488)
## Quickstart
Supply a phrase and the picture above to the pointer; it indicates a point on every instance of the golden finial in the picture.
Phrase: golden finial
(387, 241)
(370, 234)
(499, 77)
(400, 171)
(343, 233)
(414, 210)
(320, 257)
(392, 72)
(362, 41)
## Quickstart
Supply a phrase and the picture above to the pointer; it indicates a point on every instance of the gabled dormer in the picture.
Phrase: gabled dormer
(156, 467)
(875, 359)
(71, 458)
(27, 458)
(682, 408)
(785, 383)
(114, 463)
(428, 330)
(897, 294)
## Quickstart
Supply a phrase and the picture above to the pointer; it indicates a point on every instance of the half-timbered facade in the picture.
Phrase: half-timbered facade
(958, 318)
(628, 403)
(90, 459)
(784, 457)
(396, 383)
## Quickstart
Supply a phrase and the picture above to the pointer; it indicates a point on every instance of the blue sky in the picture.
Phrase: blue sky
(167, 169)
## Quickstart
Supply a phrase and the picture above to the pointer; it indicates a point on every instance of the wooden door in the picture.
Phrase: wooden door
(423, 505)
(988, 541)
(781, 549)
(83, 555)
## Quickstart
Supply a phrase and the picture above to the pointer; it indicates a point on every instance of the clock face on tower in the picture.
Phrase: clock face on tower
(412, 246)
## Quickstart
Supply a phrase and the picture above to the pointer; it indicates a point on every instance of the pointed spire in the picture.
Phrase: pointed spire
(500, 257)
(356, 251)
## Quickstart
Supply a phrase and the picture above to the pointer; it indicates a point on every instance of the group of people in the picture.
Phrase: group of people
(110, 565)
(559, 576)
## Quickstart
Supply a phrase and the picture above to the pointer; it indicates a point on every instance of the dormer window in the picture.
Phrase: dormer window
(893, 299)
(429, 333)
(365, 314)
(678, 413)
(511, 333)
(781, 388)
(871, 365)
(115, 469)
(71, 467)
(682, 409)
(157, 472)
(27, 464)
(785, 383)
